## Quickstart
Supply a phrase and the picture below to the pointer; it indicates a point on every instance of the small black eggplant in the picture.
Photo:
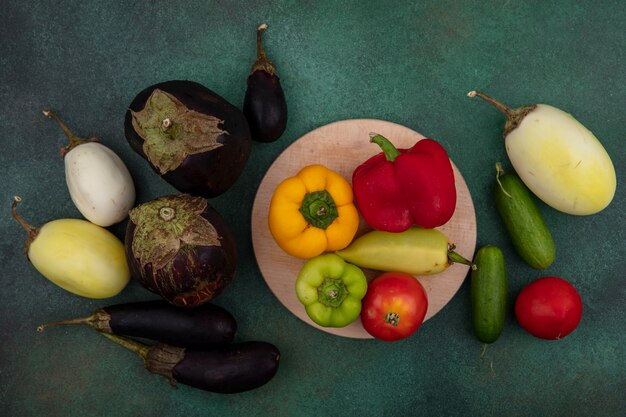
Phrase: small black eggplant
(264, 104)
(201, 327)
(231, 369)
(181, 248)
(193, 138)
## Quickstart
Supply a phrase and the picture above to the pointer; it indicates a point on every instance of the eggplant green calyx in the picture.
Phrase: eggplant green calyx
(74, 140)
(319, 209)
(262, 61)
(513, 116)
(390, 151)
(164, 225)
(172, 132)
(331, 290)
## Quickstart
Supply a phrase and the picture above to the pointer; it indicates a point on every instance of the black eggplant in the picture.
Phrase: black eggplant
(264, 104)
(193, 138)
(201, 327)
(234, 368)
(181, 248)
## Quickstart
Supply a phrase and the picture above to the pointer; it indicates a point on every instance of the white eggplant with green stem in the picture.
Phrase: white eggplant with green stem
(98, 180)
(77, 255)
(558, 158)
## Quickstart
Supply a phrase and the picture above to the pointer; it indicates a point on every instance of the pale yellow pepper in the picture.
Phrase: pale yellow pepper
(313, 212)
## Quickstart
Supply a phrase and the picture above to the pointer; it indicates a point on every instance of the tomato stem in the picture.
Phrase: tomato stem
(392, 318)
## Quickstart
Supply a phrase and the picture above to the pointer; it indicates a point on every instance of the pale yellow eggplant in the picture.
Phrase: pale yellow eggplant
(78, 256)
(558, 158)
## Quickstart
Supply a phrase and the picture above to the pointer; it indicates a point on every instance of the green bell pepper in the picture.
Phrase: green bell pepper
(331, 290)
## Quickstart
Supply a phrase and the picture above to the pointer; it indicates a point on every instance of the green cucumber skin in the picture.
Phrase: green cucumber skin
(488, 289)
(526, 227)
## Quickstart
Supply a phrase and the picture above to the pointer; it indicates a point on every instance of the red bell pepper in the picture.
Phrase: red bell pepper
(400, 187)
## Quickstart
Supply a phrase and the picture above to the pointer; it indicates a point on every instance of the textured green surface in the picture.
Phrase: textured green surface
(403, 61)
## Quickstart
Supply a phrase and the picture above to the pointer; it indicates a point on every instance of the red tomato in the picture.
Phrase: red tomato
(549, 308)
(394, 306)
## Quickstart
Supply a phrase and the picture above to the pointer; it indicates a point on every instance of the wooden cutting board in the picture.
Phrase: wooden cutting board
(342, 146)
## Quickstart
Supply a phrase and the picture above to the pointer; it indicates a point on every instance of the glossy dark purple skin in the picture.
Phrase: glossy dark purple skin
(265, 107)
(206, 174)
(214, 266)
(235, 368)
(206, 326)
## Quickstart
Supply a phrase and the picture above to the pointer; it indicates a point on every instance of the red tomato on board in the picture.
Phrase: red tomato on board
(549, 308)
(394, 306)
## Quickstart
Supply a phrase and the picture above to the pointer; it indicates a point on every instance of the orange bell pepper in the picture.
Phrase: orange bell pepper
(313, 212)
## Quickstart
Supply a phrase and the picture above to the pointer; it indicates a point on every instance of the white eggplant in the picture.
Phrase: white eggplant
(77, 255)
(557, 157)
(98, 181)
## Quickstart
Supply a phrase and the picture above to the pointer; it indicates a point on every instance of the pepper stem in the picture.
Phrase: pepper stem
(332, 292)
(319, 209)
(392, 318)
(30, 230)
(139, 348)
(390, 151)
(454, 257)
(262, 62)
(74, 140)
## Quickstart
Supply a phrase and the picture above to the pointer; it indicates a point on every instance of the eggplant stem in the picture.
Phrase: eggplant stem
(510, 114)
(74, 140)
(32, 231)
(262, 62)
(82, 320)
(139, 348)
(260, 51)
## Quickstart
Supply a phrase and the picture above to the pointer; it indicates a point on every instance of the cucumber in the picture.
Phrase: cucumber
(488, 288)
(523, 220)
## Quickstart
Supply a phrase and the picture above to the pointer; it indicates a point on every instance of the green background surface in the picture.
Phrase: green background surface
(407, 62)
